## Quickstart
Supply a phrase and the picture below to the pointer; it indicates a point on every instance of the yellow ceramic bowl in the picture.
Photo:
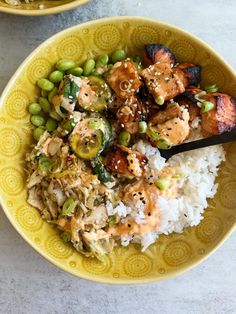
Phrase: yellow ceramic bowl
(170, 255)
(32, 8)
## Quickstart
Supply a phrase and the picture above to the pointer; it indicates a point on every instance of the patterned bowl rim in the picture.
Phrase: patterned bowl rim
(172, 274)
(38, 12)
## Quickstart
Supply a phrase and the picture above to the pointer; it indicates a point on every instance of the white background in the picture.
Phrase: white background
(28, 283)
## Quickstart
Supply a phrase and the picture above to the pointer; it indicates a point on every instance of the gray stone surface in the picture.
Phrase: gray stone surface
(28, 283)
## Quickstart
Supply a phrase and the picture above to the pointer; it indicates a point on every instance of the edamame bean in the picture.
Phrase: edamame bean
(34, 108)
(51, 125)
(52, 94)
(118, 55)
(65, 64)
(77, 71)
(45, 84)
(124, 138)
(37, 133)
(89, 66)
(56, 76)
(53, 114)
(37, 120)
(44, 103)
(102, 60)
(44, 93)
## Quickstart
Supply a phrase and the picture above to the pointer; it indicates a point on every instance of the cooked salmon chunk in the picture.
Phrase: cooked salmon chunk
(222, 118)
(124, 79)
(162, 81)
(171, 125)
(158, 53)
(131, 113)
(127, 162)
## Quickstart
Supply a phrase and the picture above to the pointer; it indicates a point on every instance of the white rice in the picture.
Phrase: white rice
(199, 169)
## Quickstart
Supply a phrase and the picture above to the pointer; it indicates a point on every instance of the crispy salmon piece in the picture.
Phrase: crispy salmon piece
(222, 118)
(131, 113)
(127, 162)
(171, 124)
(158, 53)
(124, 79)
(162, 81)
(191, 73)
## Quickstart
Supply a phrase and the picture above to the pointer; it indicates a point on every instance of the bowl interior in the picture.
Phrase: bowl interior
(171, 254)
(40, 7)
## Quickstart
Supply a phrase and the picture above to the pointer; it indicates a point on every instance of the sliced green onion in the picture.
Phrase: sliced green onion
(206, 106)
(66, 236)
(211, 88)
(45, 164)
(163, 144)
(68, 207)
(160, 100)
(152, 133)
(162, 184)
(142, 127)
(112, 221)
(199, 96)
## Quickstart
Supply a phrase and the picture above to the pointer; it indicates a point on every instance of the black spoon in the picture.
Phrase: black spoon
(210, 141)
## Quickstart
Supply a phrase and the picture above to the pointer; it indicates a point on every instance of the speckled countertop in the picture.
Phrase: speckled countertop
(28, 283)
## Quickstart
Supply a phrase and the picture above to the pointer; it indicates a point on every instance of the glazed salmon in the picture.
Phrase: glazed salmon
(127, 162)
(131, 113)
(158, 53)
(124, 79)
(222, 118)
(171, 124)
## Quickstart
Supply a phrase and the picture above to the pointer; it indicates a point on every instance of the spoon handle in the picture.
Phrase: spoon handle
(209, 141)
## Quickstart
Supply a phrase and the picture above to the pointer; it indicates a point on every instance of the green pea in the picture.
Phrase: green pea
(211, 88)
(56, 76)
(162, 184)
(163, 144)
(44, 93)
(77, 71)
(102, 60)
(69, 125)
(206, 106)
(37, 120)
(52, 94)
(118, 55)
(45, 84)
(34, 108)
(89, 66)
(160, 100)
(51, 125)
(65, 64)
(45, 105)
(124, 138)
(142, 127)
(38, 132)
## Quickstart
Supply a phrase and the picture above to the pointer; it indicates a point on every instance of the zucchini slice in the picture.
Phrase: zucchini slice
(94, 94)
(87, 146)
